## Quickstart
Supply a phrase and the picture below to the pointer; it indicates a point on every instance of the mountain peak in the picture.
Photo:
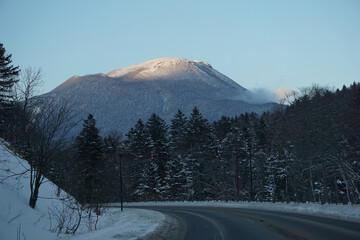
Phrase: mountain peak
(174, 70)
(162, 86)
(159, 67)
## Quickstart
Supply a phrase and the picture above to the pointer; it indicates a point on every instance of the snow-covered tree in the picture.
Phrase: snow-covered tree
(157, 133)
(178, 172)
(134, 169)
(199, 140)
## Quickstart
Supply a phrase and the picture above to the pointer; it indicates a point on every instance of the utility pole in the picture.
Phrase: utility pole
(152, 159)
(251, 174)
(237, 167)
(121, 184)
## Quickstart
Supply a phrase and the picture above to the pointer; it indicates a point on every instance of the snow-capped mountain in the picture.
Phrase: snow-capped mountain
(176, 69)
(120, 97)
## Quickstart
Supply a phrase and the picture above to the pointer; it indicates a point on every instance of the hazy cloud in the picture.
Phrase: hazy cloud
(283, 92)
(263, 95)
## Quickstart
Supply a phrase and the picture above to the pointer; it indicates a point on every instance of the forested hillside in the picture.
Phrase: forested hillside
(307, 151)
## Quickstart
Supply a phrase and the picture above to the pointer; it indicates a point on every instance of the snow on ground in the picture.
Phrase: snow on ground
(16, 218)
(19, 221)
(340, 211)
(129, 224)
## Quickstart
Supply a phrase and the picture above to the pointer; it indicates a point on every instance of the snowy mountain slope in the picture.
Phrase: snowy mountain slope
(120, 97)
(19, 221)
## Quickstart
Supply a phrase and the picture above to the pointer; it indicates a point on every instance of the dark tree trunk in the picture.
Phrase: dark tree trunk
(36, 178)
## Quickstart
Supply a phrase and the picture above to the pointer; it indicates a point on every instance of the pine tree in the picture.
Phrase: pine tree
(111, 172)
(135, 141)
(157, 132)
(179, 173)
(89, 151)
(224, 159)
(261, 151)
(8, 77)
(136, 171)
(178, 131)
(248, 152)
(150, 146)
(199, 140)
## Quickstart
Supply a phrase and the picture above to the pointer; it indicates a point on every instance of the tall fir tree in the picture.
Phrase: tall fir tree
(111, 173)
(90, 162)
(179, 173)
(248, 147)
(261, 151)
(135, 141)
(135, 177)
(178, 131)
(158, 142)
(8, 77)
(224, 157)
(199, 140)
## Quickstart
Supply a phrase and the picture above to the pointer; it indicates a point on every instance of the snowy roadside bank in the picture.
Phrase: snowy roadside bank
(340, 211)
(19, 221)
(129, 224)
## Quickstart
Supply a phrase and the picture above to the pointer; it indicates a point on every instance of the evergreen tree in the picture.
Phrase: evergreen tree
(179, 173)
(261, 152)
(149, 143)
(199, 140)
(136, 170)
(178, 131)
(111, 172)
(89, 151)
(135, 141)
(158, 142)
(248, 148)
(224, 159)
(8, 77)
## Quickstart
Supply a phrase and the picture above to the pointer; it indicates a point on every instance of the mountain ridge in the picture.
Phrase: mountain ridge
(120, 97)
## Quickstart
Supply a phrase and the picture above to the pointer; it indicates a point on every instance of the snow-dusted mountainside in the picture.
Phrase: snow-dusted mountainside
(120, 97)
(175, 69)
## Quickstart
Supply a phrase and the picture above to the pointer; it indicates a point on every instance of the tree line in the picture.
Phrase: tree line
(307, 151)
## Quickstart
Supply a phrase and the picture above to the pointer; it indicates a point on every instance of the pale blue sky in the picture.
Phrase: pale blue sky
(259, 44)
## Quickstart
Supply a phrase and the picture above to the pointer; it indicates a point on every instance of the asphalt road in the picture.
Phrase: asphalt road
(229, 223)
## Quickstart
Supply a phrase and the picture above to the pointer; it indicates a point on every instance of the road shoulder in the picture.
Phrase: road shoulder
(171, 228)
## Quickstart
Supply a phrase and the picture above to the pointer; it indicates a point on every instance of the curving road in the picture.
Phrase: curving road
(229, 223)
